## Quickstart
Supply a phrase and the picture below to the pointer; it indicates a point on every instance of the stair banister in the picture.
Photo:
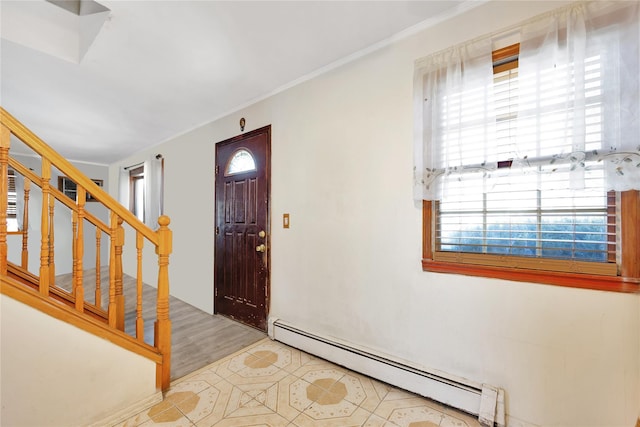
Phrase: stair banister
(58, 195)
(161, 239)
(40, 147)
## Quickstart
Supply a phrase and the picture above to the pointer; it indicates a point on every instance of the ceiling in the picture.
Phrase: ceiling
(100, 85)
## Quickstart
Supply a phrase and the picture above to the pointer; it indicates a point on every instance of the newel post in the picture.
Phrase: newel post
(162, 329)
(5, 142)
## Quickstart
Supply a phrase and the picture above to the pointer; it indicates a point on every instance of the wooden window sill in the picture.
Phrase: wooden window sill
(574, 280)
(628, 281)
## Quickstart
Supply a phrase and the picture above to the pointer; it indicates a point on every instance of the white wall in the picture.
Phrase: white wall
(349, 266)
(62, 223)
(62, 375)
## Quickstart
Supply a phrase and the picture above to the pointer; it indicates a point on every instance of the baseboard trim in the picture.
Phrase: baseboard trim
(457, 392)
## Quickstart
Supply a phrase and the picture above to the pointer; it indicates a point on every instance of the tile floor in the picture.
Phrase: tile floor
(271, 384)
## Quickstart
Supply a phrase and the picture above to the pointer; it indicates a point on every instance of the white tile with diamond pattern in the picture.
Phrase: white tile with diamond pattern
(270, 384)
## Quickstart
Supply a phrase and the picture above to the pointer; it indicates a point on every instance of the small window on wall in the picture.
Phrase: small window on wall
(141, 189)
(70, 188)
(136, 192)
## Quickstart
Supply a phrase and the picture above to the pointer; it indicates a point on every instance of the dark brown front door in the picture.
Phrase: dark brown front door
(242, 227)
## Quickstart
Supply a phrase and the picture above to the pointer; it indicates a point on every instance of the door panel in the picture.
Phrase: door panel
(242, 230)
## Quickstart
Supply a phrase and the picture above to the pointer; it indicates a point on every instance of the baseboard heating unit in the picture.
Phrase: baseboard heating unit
(479, 399)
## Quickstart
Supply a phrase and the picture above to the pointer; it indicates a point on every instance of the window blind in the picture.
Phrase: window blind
(12, 209)
(525, 207)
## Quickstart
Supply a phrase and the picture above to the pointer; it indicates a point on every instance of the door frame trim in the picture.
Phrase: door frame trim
(217, 170)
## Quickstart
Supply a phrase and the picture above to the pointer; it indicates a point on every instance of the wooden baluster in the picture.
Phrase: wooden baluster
(52, 263)
(118, 273)
(139, 319)
(630, 232)
(82, 196)
(5, 143)
(162, 330)
(113, 236)
(74, 251)
(44, 227)
(98, 296)
(25, 225)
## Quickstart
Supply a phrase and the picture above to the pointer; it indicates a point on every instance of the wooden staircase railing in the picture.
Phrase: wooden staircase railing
(91, 306)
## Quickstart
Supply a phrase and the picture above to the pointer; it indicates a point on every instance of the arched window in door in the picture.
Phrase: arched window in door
(241, 161)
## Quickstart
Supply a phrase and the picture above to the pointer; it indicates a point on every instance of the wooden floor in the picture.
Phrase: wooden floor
(197, 338)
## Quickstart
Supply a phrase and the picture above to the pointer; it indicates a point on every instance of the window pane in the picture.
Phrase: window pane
(461, 233)
(512, 235)
(539, 207)
(242, 161)
(12, 224)
(138, 198)
(578, 237)
(516, 219)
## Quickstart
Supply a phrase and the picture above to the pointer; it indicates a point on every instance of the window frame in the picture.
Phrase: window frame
(135, 174)
(69, 188)
(627, 278)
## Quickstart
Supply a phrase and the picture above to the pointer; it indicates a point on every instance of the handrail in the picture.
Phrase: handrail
(40, 147)
(59, 195)
(161, 239)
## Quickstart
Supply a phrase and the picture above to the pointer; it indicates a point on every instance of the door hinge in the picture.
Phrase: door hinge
(217, 169)
(216, 292)
(217, 230)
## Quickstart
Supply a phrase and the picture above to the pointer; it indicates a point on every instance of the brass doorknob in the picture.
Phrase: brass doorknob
(262, 234)
(261, 248)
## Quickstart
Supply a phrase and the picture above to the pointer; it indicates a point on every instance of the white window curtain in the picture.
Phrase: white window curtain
(153, 191)
(579, 97)
(454, 102)
(577, 112)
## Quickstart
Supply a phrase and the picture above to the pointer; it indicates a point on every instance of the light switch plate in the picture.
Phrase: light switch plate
(285, 220)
